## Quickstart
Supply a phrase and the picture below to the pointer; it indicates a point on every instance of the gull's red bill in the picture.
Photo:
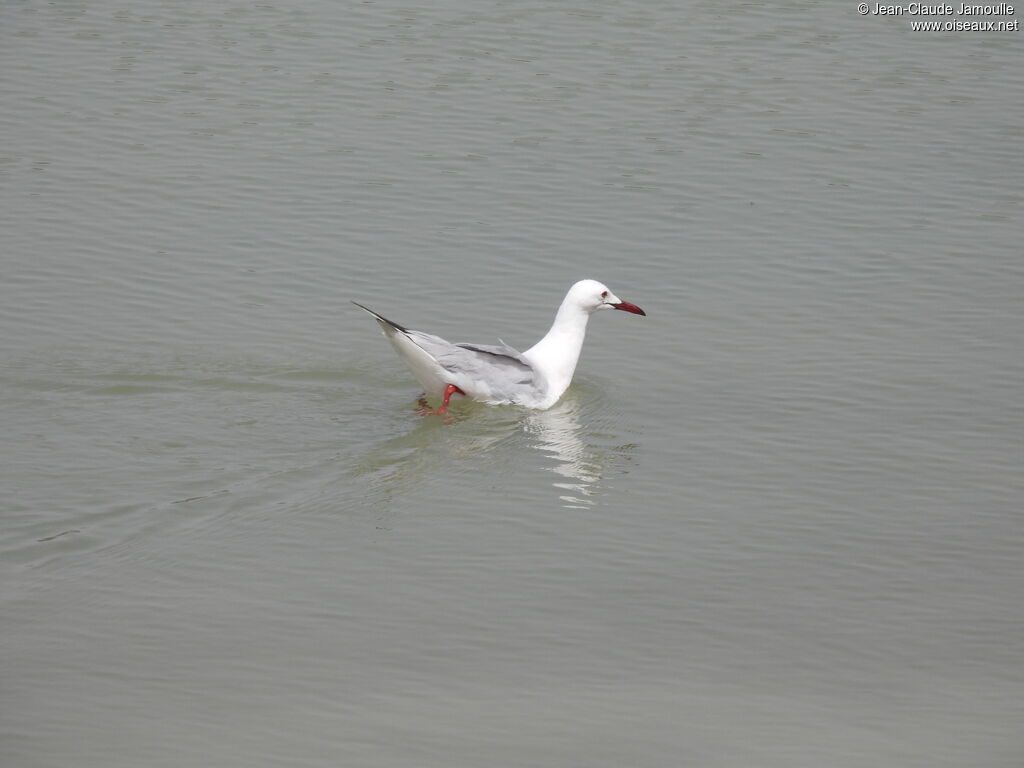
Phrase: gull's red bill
(625, 306)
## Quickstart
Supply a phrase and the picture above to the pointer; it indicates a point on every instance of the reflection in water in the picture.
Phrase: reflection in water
(558, 433)
(432, 449)
(474, 439)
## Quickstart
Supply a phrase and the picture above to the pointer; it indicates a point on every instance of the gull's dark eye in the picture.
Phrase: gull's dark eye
(604, 294)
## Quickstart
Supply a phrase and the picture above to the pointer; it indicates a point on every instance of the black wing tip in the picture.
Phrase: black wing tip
(403, 329)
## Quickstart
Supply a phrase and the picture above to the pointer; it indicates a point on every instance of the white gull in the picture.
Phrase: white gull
(499, 375)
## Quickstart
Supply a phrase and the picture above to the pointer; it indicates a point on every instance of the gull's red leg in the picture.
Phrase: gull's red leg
(450, 390)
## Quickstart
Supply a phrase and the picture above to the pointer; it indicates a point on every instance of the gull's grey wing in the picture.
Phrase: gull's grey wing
(498, 350)
(497, 373)
(497, 362)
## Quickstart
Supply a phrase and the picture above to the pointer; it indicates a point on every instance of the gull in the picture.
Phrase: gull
(499, 374)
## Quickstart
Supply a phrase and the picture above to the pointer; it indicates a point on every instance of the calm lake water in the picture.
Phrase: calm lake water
(776, 522)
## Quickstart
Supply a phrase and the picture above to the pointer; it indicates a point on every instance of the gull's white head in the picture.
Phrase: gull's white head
(590, 296)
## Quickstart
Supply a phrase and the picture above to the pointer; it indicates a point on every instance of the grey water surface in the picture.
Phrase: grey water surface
(776, 522)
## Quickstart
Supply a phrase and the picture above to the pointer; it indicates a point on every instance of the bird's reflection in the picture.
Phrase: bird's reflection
(558, 433)
(564, 441)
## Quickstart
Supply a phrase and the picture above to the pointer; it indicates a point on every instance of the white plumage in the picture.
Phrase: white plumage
(498, 374)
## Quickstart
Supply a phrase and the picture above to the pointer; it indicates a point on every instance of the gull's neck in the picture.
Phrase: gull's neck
(555, 356)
